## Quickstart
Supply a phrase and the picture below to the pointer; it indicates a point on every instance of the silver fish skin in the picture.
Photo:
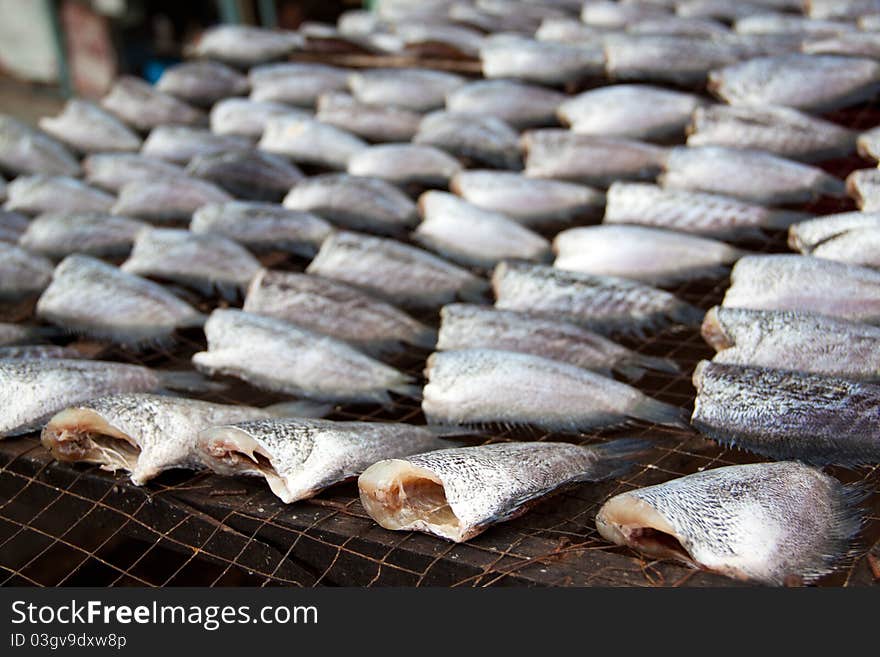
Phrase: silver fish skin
(180, 144)
(473, 236)
(37, 351)
(699, 213)
(93, 298)
(650, 255)
(22, 273)
(143, 107)
(301, 457)
(143, 434)
(805, 283)
(792, 340)
(841, 9)
(566, 30)
(59, 234)
(489, 386)
(167, 200)
(805, 236)
(275, 355)
(378, 123)
(753, 176)
(777, 23)
(12, 226)
(826, 420)
(400, 273)
(419, 90)
(863, 186)
(602, 303)
(486, 140)
(542, 62)
(815, 83)
(246, 45)
(779, 130)
(112, 171)
(616, 15)
(354, 202)
(458, 493)
(808, 521)
(635, 111)
(295, 83)
(308, 141)
(519, 104)
(204, 262)
(868, 144)
(599, 161)
(87, 128)
(725, 10)
(42, 193)
(335, 309)
(530, 201)
(404, 164)
(856, 247)
(25, 150)
(247, 174)
(470, 326)
(262, 226)
(202, 82)
(248, 118)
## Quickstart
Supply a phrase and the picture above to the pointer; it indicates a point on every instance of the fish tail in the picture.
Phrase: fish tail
(783, 219)
(831, 186)
(657, 412)
(188, 381)
(617, 457)
(300, 408)
(635, 365)
(411, 390)
(425, 337)
(446, 430)
(685, 313)
(196, 321)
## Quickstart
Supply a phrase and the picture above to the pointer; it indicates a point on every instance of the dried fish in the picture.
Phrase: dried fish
(804, 283)
(404, 164)
(23, 334)
(114, 170)
(26, 150)
(792, 340)
(180, 144)
(565, 30)
(457, 494)
(398, 272)
(484, 139)
(467, 326)
(295, 83)
(616, 15)
(602, 303)
(457, 40)
(520, 105)
(41, 193)
(708, 520)
(856, 247)
(22, 274)
(12, 226)
(637, 111)
(246, 45)
(753, 176)
(419, 90)
(562, 154)
(862, 185)
(692, 212)
(143, 107)
(724, 10)
(684, 60)
(841, 9)
(247, 174)
(869, 144)
(275, 355)
(520, 58)
(651, 255)
(335, 309)
(59, 234)
(87, 128)
(248, 118)
(204, 262)
(807, 235)
(93, 298)
(354, 202)
(374, 122)
(202, 83)
(778, 23)
(825, 419)
(262, 226)
(681, 26)
(311, 142)
(167, 200)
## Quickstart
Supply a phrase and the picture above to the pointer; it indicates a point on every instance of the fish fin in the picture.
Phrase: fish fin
(300, 408)
(411, 390)
(446, 430)
(685, 313)
(196, 321)
(188, 381)
(635, 365)
(616, 457)
(657, 412)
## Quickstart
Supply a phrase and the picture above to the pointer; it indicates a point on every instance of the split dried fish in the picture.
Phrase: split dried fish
(724, 10)
(180, 144)
(22, 274)
(651, 255)
(805, 283)
(565, 155)
(93, 298)
(455, 39)
(841, 9)
(520, 105)
(807, 235)
(59, 234)
(473, 236)
(856, 247)
(295, 83)
(778, 23)
(246, 45)
(87, 128)
(397, 272)
(637, 111)
(530, 201)
(681, 26)
(247, 174)
(405, 164)
(275, 355)
(468, 326)
(863, 186)
(816, 83)
(41, 193)
(565, 30)
(248, 118)
(520, 58)
(869, 144)
(204, 262)
(335, 309)
(823, 420)
(26, 150)
(202, 83)
(311, 142)
(415, 89)
(700, 213)
(144, 107)
(262, 226)
(457, 494)
(681, 60)
(484, 139)
(167, 200)
(616, 15)
(602, 303)
(354, 202)
(791, 340)
(707, 520)
(114, 170)
(379, 123)
(753, 176)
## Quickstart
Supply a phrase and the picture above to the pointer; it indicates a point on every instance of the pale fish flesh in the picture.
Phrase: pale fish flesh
(143, 107)
(59, 234)
(202, 83)
(869, 144)
(520, 105)
(419, 90)
(248, 118)
(807, 235)
(862, 185)
(295, 83)
(41, 193)
(26, 150)
(852, 44)
(308, 141)
(483, 139)
(378, 123)
(246, 45)
(167, 200)
(87, 128)
(519, 58)
(404, 164)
